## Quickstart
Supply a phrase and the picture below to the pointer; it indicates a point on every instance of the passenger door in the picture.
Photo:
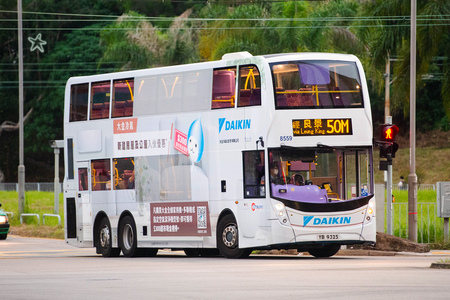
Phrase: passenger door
(84, 202)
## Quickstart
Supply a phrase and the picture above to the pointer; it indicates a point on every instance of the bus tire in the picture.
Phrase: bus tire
(325, 251)
(228, 238)
(104, 240)
(128, 237)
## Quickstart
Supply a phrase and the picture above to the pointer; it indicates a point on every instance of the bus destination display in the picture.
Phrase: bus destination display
(309, 127)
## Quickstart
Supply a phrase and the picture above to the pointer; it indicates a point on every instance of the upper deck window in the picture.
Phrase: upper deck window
(79, 102)
(316, 84)
(224, 85)
(249, 86)
(123, 98)
(100, 95)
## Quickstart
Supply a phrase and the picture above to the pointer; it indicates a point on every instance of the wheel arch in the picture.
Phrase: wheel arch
(225, 212)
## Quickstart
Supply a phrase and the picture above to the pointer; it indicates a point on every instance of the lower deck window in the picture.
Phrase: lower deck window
(101, 174)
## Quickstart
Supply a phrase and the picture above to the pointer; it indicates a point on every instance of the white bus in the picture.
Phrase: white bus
(245, 153)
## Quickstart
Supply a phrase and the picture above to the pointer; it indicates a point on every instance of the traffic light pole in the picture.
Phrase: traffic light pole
(389, 188)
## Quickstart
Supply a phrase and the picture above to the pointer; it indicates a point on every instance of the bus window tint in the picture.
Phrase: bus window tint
(101, 174)
(100, 94)
(122, 100)
(249, 86)
(254, 172)
(224, 84)
(317, 84)
(124, 173)
(79, 102)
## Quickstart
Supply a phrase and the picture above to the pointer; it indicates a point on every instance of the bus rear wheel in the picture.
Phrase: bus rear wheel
(325, 251)
(104, 240)
(127, 237)
(228, 238)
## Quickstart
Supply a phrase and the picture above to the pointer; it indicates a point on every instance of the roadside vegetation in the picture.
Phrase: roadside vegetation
(37, 203)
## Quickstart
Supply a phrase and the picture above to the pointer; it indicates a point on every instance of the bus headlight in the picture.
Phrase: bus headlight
(280, 211)
(279, 206)
(371, 207)
(3, 219)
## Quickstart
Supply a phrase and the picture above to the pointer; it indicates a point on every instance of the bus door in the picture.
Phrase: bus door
(84, 201)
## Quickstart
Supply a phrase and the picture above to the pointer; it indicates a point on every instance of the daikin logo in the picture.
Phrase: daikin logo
(326, 220)
(234, 124)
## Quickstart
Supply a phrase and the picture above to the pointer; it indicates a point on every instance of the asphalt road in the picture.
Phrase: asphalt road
(49, 269)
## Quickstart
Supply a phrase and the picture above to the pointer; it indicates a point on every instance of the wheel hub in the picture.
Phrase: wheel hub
(229, 236)
(104, 237)
(128, 236)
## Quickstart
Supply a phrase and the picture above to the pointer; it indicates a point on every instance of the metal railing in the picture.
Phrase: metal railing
(429, 226)
(420, 187)
(30, 186)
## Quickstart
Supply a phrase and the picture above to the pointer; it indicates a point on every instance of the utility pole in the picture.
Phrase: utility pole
(412, 177)
(387, 84)
(21, 170)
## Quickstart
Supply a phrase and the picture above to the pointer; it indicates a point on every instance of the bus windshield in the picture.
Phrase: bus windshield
(316, 84)
(320, 175)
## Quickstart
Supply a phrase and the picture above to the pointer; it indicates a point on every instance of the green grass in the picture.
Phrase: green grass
(36, 203)
(430, 227)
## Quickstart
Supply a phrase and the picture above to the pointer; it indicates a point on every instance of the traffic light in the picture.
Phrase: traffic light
(388, 149)
(387, 143)
(388, 132)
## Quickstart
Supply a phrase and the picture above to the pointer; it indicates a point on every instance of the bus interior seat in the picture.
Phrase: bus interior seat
(244, 97)
(292, 98)
(96, 112)
(128, 108)
(119, 108)
(224, 85)
(255, 96)
(298, 179)
(306, 98)
(281, 97)
(105, 110)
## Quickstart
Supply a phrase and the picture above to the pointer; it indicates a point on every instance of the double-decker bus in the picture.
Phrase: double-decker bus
(249, 152)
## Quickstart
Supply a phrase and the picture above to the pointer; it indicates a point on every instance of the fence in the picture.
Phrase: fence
(420, 187)
(30, 186)
(429, 226)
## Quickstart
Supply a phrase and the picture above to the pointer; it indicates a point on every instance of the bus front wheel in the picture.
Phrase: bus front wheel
(325, 251)
(228, 238)
(104, 240)
(127, 237)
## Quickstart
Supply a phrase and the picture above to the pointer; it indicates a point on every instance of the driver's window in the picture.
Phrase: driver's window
(83, 179)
